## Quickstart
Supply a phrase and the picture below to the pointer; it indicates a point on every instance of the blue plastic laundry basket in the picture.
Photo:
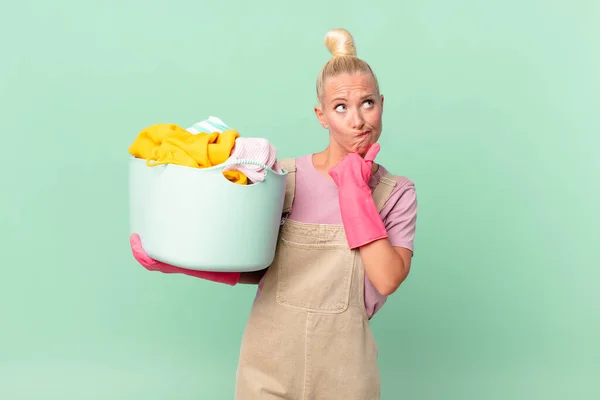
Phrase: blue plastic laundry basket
(196, 218)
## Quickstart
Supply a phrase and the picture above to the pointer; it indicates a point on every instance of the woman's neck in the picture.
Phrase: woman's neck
(327, 159)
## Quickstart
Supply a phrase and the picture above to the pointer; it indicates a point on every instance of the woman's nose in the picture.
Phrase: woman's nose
(357, 121)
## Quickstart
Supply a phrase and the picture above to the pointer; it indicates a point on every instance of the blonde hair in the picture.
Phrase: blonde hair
(340, 44)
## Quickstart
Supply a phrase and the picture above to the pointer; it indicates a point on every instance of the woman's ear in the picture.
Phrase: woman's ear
(381, 96)
(321, 117)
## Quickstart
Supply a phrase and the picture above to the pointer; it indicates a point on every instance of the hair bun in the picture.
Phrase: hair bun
(339, 42)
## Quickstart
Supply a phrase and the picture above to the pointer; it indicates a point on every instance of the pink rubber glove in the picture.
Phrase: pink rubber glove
(229, 278)
(362, 222)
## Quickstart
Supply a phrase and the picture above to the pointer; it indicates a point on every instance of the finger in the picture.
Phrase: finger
(334, 174)
(372, 152)
(134, 240)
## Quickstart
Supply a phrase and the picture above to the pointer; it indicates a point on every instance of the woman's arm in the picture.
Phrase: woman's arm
(252, 278)
(385, 246)
(386, 266)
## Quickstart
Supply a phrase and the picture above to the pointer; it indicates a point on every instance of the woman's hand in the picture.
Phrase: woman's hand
(229, 278)
(360, 216)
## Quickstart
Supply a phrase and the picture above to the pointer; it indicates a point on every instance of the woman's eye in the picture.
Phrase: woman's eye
(369, 103)
(340, 108)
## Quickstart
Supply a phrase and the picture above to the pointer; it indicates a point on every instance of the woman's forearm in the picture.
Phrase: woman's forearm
(252, 278)
(386, 266)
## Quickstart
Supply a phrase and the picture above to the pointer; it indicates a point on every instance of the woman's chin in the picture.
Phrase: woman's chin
(362, 148)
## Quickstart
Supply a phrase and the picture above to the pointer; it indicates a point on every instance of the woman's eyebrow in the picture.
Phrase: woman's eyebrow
(344, 99)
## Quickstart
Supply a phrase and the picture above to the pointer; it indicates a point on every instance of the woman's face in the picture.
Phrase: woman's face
(351, 109)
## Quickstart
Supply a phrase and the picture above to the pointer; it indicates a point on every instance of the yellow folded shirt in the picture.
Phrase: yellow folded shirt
(171, 144)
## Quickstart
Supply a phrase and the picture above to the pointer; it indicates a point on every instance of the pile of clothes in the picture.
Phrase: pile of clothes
(206, 144)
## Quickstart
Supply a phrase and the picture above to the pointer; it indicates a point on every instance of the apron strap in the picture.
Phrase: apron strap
(384, 189)
(289, 164)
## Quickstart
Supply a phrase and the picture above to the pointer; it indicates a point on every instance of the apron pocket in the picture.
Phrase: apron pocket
(314, 277)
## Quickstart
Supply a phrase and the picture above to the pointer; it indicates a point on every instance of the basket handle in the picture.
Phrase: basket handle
(245, 161)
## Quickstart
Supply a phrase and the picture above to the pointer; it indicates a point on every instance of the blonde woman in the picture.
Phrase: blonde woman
(346, 243)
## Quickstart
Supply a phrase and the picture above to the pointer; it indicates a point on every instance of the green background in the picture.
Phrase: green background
(492, 109)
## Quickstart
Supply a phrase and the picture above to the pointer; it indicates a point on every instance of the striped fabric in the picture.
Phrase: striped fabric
(210, 125)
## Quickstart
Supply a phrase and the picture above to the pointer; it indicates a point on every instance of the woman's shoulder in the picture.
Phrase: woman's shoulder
(399, 211)
(295, 160)
(401, 182)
